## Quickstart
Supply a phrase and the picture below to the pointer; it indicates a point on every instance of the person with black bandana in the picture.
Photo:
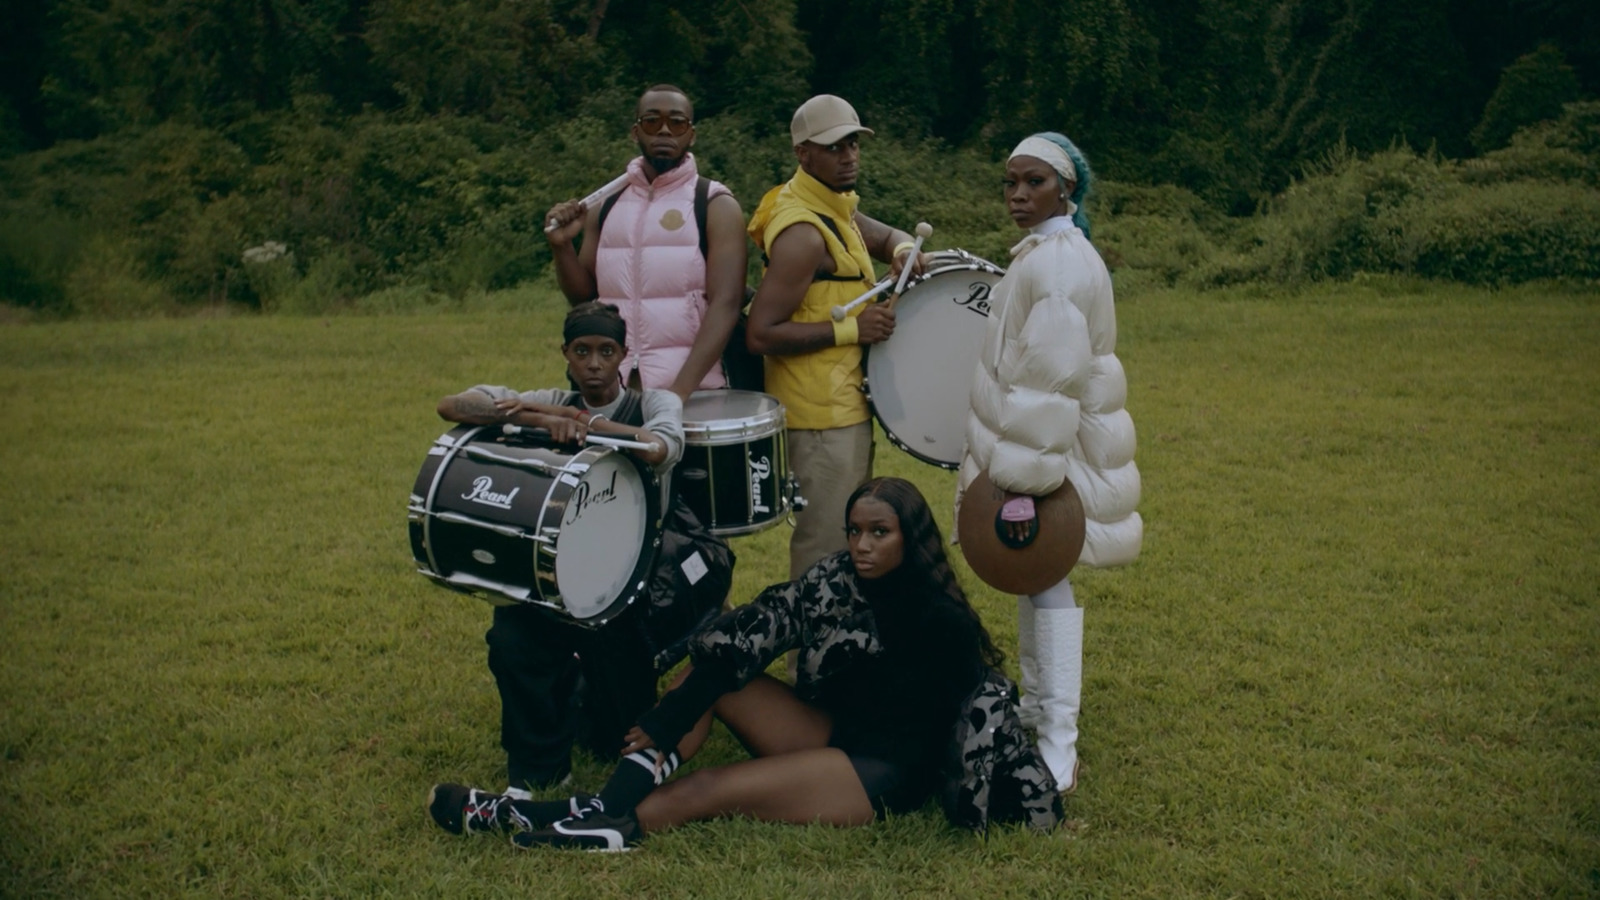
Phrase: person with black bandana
(539, 662)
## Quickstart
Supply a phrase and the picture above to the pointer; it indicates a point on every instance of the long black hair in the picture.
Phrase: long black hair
(924, 559)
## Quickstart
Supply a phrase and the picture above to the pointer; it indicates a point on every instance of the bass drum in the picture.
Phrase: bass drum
(520, 520)
(918, 381)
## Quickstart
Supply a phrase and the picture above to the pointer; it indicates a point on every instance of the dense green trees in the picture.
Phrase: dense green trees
(386, 140)
(1243, 87)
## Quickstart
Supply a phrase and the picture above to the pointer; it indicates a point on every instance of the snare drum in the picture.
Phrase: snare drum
(735, 469)
(520, 520)
(918, 381)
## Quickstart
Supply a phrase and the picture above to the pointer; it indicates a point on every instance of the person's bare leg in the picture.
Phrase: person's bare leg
(766, 708)
(769, 719)
(795, 776)
(815, 785)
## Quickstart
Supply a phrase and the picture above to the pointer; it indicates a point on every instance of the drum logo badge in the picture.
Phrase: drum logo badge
(586, 496)
(482, 492)
(760, 470)
(977, 301)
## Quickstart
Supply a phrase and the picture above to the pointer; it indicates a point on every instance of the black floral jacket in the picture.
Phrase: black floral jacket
(997, 775)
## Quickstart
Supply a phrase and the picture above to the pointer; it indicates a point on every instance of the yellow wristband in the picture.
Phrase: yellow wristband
(901, 248)
(846, 332)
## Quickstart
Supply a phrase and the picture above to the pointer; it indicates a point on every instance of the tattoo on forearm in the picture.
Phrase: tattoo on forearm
(474, 405)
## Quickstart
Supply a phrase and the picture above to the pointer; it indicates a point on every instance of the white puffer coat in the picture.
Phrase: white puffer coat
(1049, 396)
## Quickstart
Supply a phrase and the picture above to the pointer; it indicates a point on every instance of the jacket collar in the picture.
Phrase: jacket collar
(1041, 232)
(685, 171)
(819, 196)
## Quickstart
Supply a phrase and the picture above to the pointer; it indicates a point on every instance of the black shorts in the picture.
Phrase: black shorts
(891, 788)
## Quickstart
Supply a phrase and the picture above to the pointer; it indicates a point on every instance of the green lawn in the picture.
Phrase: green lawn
(1359, 655)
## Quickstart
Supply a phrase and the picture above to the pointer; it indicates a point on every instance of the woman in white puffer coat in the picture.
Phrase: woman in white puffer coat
(1048, 404)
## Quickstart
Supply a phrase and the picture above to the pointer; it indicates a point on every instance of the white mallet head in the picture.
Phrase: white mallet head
(924, 229)
(838, 314)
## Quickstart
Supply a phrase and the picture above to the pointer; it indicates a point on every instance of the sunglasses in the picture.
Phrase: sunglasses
(652, 122)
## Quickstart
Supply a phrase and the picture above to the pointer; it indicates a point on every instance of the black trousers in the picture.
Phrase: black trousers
(561, 684)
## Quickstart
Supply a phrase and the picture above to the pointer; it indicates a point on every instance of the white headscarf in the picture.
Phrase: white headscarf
(1050, 152)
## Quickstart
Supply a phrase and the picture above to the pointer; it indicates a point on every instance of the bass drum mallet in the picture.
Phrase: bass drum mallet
(599, 194)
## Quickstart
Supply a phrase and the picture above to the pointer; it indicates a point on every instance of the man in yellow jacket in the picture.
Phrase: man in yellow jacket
(819, 251)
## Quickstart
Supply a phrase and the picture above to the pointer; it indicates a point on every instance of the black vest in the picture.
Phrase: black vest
(629, 412)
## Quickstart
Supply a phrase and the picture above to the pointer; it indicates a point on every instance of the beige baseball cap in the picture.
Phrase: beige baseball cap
(825, 119)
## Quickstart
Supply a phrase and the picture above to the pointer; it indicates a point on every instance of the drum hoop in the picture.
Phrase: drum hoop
(433, 488)
(976, 265)
(545, 554)
(921, 457)
(716, 432)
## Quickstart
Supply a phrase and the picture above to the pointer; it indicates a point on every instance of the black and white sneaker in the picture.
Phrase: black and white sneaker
(592, 830)
(459, 809)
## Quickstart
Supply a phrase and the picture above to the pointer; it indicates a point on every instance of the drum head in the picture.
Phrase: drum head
(603, 526)
(721, 417)
(1033, 568)
(918, 381)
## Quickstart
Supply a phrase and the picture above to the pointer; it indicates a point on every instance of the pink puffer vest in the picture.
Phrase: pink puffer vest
(648, 263)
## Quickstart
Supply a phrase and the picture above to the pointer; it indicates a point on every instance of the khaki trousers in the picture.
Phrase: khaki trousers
(829, 465)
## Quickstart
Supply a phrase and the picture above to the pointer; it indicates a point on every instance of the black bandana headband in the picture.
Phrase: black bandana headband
(602, 320)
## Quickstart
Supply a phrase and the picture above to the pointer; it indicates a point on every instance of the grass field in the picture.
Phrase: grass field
(1360, 655)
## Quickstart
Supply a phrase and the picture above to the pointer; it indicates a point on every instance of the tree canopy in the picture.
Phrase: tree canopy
(1231, 94)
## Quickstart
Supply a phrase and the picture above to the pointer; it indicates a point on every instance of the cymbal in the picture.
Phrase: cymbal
(1031, 569)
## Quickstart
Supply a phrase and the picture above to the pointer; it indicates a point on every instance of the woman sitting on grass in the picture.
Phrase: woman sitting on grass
(890, 655)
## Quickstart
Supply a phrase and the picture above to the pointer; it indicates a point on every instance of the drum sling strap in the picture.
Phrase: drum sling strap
(824, 276)
(629, 412)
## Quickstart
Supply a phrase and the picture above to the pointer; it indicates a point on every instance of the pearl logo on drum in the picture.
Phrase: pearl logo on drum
(760, 470)
(483, 492)
(586, 496)
(977, 301)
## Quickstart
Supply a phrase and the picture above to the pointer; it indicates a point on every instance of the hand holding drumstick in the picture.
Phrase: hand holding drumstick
(565, 220)
(912, 265)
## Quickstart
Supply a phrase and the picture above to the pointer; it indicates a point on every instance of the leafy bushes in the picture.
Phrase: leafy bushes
(425, 210)
(454, 204)
(1531, 211)
(1503, 234)
(1162, 232)
(145, 197)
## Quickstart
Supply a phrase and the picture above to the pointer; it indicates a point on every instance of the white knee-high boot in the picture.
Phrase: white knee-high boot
(1028, 706)
(1058, 655)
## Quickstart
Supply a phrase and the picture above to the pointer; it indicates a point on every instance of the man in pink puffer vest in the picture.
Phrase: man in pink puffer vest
(679, 296)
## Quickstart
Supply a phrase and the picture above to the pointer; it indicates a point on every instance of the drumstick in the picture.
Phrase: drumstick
(923, 230)
(600, 193)
(840, 311)
(591, 438)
